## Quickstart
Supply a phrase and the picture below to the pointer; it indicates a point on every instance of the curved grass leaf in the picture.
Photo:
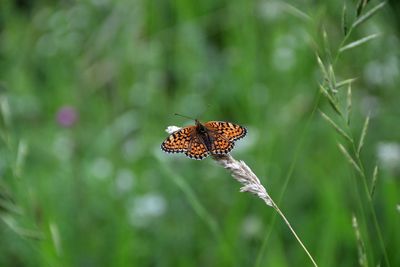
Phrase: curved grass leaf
(360, 7)
(348, 104)
(331, 100)
(368, 14)
(332, 79)
(362, 256)
(295, 11)
(344, 20)
(359, 42)
(345, 82)
(374, 178)
(322, 66)
(326, 44)
(13, 224)
(21, 156)
(337, 128)
(350, 159)
(363, 134)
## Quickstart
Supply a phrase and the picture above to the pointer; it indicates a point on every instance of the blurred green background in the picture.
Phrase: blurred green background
(88, 87)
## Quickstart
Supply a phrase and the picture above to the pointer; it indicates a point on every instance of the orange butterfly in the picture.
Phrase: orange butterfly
(200, 140)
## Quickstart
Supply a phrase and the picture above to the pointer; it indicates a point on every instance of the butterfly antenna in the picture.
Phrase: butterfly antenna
(177, 114)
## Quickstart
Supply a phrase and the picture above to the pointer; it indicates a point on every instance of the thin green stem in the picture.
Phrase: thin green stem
(359, 162)
(200, 210)
(344, 40)
(370, 204)
(368, 195)
(293, 231)
(288, 176)
(363, 213)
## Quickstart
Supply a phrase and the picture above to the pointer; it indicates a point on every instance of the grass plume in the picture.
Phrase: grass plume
(242, 173)
(250, 183)
(351, 150)
(362, 256)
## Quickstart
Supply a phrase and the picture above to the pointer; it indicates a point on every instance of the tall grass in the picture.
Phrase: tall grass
(331, 88)
(101, 193)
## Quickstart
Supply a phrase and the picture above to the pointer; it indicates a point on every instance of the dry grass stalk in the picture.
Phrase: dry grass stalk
(244, 175)
(250, 183)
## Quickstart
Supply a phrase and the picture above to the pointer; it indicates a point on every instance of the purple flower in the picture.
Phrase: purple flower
(67, 116)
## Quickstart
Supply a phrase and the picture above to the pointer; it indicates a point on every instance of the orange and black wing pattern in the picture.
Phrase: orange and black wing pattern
(179, 141)
(228, 130)
(197, 149)
(220, 144)
(217, 138)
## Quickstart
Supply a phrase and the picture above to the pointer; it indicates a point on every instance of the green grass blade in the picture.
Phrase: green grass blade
(336, 127)
(368, 14)
(348, 104)
(331, 100)
(195, 203)
(345, 82)
(374, 179)
(363, 134)
(359, 42)
(56, 237)
(5, 119)
(349, 158)
(322, 66)
(5, 111)
(326, 45)
(9, 206)
(295, 11)
(362, 256)
(198, 207)
(21, 155)
(332, 79)
(344, 20)
(360, 7)
(12, 223)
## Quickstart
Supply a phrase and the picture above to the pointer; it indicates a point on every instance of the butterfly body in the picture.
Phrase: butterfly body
(204, 135)
(200, 140)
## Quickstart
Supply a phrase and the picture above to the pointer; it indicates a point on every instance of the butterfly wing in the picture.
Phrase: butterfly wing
(221, 134)
(227, 130)
(197, 149)
(220, 144)
(179, 141)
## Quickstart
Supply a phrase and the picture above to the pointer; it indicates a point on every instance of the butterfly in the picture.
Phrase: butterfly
(200, 140)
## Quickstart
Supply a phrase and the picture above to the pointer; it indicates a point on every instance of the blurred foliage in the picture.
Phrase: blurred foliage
(88, 87)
